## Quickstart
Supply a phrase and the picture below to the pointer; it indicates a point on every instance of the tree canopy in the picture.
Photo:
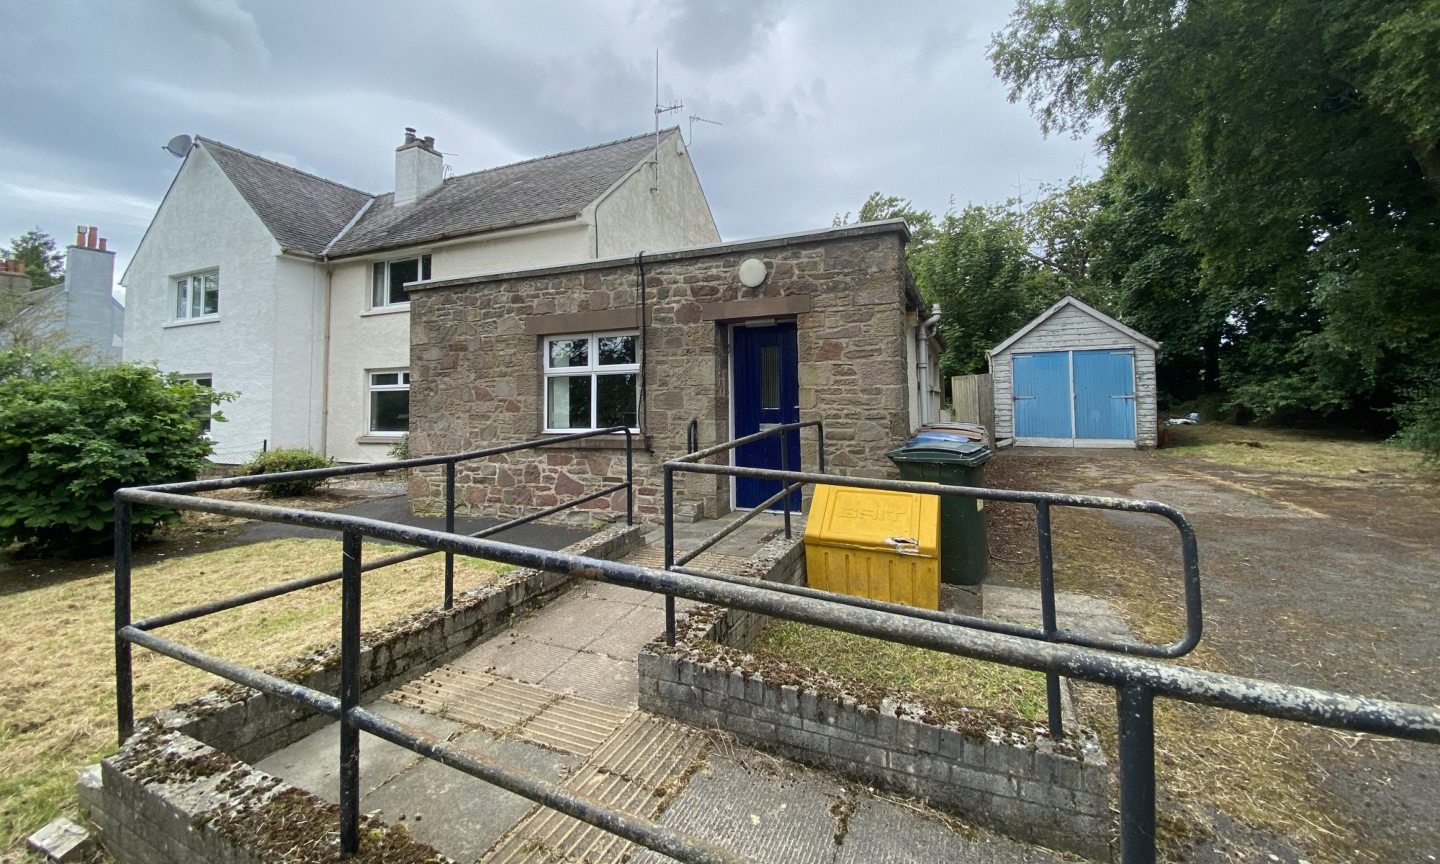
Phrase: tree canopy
(1272, 195)
(44, 263)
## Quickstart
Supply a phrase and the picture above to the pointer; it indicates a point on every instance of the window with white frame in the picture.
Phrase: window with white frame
(591, 381)
(202, 415)
(197, 295)
(389, 278)
(389, 402)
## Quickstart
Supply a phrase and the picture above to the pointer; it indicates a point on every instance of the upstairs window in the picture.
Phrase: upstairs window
(197, 295)
(591, 381)
(390, 402)
(389, 278)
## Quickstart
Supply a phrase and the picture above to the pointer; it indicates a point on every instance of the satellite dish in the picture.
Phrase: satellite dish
(179, 146)
(752, 272)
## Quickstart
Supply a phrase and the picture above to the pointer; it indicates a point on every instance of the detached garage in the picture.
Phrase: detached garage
(1075, 377)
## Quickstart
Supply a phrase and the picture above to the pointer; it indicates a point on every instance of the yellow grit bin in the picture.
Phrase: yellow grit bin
(876, 544)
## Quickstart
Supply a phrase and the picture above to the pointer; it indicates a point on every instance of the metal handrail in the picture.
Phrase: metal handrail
(1049, 629)
(1136, 680)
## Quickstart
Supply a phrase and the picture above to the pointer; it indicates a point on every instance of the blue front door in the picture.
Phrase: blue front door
(767, 392)
(1042, 395)
(1105, 394)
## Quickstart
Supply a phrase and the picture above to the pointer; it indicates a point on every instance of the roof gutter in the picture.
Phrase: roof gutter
(450, 238)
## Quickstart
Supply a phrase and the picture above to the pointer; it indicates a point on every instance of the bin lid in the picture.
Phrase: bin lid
(900, 523)
(937, 451)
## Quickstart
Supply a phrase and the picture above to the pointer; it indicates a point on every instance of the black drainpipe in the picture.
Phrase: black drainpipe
(644, 355)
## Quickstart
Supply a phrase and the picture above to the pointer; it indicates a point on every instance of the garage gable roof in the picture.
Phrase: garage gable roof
(1067, 300)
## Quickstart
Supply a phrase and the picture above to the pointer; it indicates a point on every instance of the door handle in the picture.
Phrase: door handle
(1018, 398)
(1123, 397)
(766, 427)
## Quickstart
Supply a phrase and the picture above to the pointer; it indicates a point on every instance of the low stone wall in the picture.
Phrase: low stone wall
(181, 789)
(166, 798)
(1002, 775)
(250, 725)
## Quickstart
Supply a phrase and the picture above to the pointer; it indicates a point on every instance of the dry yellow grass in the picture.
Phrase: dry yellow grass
(1293, 451)
(57, 698)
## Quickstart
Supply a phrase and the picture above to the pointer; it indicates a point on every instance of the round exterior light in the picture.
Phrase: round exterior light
(752, 272)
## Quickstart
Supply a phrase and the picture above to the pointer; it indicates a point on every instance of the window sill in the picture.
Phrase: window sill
(379, 437)
(190, 322)
(386, 310)
(599, 442)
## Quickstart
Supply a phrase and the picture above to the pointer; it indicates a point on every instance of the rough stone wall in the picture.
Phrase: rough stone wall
(477, 378)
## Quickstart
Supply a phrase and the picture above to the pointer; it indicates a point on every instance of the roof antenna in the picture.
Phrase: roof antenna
(659, 109)
(693, 118)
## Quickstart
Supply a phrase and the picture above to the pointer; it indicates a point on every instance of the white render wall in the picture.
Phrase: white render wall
(362, 339)
(1073, 329)
(203, 223)
(631, 219)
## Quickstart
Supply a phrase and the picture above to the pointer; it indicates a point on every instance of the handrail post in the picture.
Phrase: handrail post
(785, 484)
(1047, 613)
(669, 492)
(629, 478)
(1136, 704)
(124, 676)
(350, 693)
(450, 529)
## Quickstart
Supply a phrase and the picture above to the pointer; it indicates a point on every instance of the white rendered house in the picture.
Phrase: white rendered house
(289, 289)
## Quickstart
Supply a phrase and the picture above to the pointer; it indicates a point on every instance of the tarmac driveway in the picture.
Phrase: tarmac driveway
(1322, 581)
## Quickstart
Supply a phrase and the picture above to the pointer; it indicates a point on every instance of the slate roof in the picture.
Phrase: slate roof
(303, 212)
(536, 190)
(313, 215)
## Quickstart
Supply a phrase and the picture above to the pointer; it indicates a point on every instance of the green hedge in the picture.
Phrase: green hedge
(284, 459)
(73, 432)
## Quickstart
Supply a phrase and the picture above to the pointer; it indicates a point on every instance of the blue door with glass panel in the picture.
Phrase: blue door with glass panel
(1104, 394)
(1042, 395)
(765, 371)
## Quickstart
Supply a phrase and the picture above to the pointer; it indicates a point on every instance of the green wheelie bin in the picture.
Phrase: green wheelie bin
(964, 550)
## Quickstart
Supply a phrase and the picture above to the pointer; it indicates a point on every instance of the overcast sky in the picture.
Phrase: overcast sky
(823, 102)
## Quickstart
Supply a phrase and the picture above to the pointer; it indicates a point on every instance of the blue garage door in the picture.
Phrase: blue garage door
(1042, 395)
(1105, 394)
(1101, 405)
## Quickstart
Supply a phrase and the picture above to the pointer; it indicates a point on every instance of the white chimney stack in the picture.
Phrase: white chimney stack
(419, 168)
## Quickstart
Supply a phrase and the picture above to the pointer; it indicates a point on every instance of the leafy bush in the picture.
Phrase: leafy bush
(72, 432)
(284, 459)
(401, 449)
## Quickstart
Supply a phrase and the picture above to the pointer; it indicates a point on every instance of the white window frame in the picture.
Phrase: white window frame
(182, 294)
(196, 378)
(385, 293)
(371, 388)
(593, 370)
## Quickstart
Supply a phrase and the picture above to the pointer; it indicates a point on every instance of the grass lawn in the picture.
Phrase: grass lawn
(1325, 453)
(941, 680)
(57, 700)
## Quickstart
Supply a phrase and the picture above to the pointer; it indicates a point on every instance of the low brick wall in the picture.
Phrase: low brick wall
(250, 725)
(1007, 778)
(166, 798)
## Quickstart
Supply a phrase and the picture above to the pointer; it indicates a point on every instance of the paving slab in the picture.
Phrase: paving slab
(625, 636)
(1081, 613)
(313, 762)
(775, 814)
(572, 621)
(882, 832)
(597, 677)
(456, 813)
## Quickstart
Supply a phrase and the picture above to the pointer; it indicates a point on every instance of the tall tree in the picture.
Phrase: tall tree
(1300, 141)
(44, 263)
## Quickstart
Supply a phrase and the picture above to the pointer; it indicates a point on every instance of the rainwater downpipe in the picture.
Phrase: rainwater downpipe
(644, 345)
(925, 331)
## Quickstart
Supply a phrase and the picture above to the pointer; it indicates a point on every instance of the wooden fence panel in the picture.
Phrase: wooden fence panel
(973, 399)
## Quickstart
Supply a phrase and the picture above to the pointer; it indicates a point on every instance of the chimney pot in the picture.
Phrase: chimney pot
(102, 244)
(79, 235)
(430, 141)
(409, 134)
(92, 237)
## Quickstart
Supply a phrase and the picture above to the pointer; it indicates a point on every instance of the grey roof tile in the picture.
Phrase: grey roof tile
(303, 212)
(537, 190)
